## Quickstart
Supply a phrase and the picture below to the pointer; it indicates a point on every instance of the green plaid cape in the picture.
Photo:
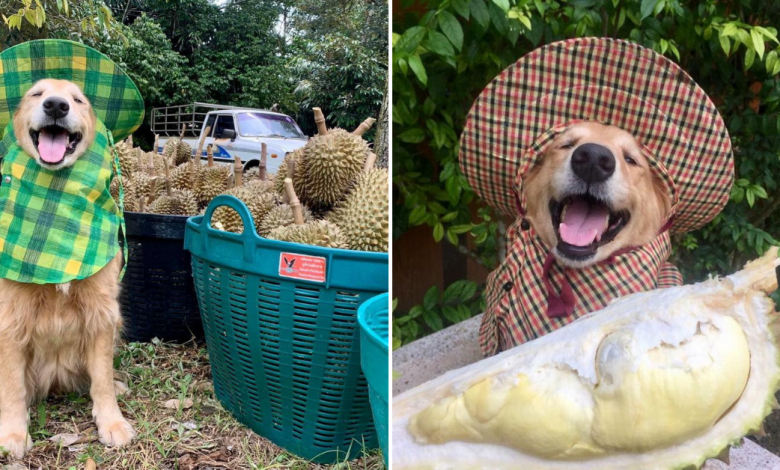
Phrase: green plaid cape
(61, 225)
(113, 95)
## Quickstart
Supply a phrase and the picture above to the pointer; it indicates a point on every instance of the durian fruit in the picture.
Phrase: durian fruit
(293, 166)
(176, 149)
(316, 232)
(252, 174)
(174, 202)
(128, 162)
(657, 380)
(280, 216)
(259, 204)
(364, 216)
(333, 159)
(213, 180)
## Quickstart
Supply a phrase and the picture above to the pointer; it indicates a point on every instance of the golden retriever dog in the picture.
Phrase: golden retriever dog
(56, 338)
(593, 194)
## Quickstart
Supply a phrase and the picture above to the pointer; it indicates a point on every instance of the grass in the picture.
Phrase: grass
(193, 435)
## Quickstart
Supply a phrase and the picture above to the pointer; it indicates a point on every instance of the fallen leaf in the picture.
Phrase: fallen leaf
(175, 404)
(65, 439)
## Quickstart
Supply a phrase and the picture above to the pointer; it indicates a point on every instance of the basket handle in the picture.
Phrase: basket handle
(247, 236)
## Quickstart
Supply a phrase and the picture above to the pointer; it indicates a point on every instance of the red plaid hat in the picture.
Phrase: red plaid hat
(509, 127)
(612, 82)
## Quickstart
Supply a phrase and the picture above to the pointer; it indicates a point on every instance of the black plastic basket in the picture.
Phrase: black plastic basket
(158, 295)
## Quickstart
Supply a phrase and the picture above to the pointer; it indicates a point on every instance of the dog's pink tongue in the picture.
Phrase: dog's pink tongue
(51, 147)
(583, 222)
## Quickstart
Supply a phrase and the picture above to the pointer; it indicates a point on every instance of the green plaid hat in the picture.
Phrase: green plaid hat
(57, 225)
(113, 95)
(612, 82)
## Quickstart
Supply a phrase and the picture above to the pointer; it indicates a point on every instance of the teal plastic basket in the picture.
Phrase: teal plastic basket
(374, 327)
(280, 321)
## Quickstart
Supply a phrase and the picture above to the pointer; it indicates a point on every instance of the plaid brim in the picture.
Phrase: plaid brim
(609, 81)
(114, 97)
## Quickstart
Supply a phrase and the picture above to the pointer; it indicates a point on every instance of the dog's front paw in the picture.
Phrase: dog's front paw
(117, 433)
(15, 445)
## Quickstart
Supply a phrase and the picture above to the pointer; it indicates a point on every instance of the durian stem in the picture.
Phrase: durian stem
(139, 154)
(295, 204)
(364, 126)
(238, 171)
(130, 140)
(151, 163)
(263, 160)
(142, 204)
(168, 189)
(202, 141)
(319, 118)
(156, 144)
(183, 129)
(370, 161)
(291, 175)
(210, 153)
(152, 188)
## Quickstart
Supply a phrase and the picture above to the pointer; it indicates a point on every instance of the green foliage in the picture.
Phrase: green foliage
(65, 19)
(459, 301)
(446, 51)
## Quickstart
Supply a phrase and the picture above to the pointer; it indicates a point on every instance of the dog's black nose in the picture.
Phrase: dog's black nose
(55, 107)
(593, 163)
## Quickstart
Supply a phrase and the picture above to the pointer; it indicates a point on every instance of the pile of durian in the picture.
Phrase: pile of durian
(327, 193)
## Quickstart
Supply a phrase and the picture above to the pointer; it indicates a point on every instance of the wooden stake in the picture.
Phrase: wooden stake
(210, 154)
(295, 204)
(319, 118)
(364, 126)
(370, 161)
(238, 171)
(201, 141)
(168, 189)
(263, 160)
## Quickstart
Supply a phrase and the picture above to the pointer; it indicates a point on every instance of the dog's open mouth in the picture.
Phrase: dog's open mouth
(54, 143)
(583, 223)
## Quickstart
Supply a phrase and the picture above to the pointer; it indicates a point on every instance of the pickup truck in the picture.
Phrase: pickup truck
(234, 131)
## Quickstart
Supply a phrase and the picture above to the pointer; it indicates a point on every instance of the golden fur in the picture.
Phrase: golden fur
(636, 188)
(56, 338)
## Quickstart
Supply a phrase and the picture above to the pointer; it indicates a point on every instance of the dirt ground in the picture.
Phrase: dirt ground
(180, 423)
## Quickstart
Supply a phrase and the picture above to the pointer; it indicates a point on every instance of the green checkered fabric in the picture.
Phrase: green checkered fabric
(113, 95)
(57, 225)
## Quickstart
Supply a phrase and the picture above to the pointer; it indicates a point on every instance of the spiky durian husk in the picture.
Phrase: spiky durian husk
(299, 157)
(159, 163)
(252, 174)
(183, 155)
(142, 185)
(280, 216)
(331, 164)
(180, 202)
(317, 232)
(258, 204)
(656, 380)
(212, 181)
(260, 186)
(182, 177)
(364, 216)
(128, 161)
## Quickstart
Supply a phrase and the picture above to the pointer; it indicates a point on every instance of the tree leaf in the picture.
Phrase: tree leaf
(419, 70)
(758, 42)
(412, 136)
(750, 57)
(480, 12)
(410, 39)
(503, 4)
(438, 232)
(451, 28)
(433, 320)
(725, 43)
(431, 298)
(439, 44)
(646, 8)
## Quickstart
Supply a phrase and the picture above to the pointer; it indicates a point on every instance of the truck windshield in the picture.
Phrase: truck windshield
(268, 125)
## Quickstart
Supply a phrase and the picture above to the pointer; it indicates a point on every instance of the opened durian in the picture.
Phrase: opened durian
(258, 203)
(316, 232)
(333, 159)
(364, 216)
(174, 202)
(656, 380)
(213, 180)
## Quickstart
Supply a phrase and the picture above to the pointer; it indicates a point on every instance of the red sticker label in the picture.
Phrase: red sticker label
(308, 268)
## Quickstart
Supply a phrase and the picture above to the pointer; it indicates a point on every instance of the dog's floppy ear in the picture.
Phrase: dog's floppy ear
(662, 196)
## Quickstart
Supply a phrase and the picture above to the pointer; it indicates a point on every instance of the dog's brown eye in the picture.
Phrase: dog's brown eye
(630, 160)
(40, 93)
(78, 101)
(567, 145)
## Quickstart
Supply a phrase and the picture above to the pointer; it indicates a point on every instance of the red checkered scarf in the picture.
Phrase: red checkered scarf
(525, 300)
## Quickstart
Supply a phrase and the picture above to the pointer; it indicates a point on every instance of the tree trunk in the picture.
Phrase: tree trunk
(381, 144)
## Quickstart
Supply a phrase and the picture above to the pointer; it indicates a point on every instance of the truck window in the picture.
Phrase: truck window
(223, 122)
(210, 123)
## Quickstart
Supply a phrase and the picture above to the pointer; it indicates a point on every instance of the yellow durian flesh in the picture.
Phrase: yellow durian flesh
(657, 380)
